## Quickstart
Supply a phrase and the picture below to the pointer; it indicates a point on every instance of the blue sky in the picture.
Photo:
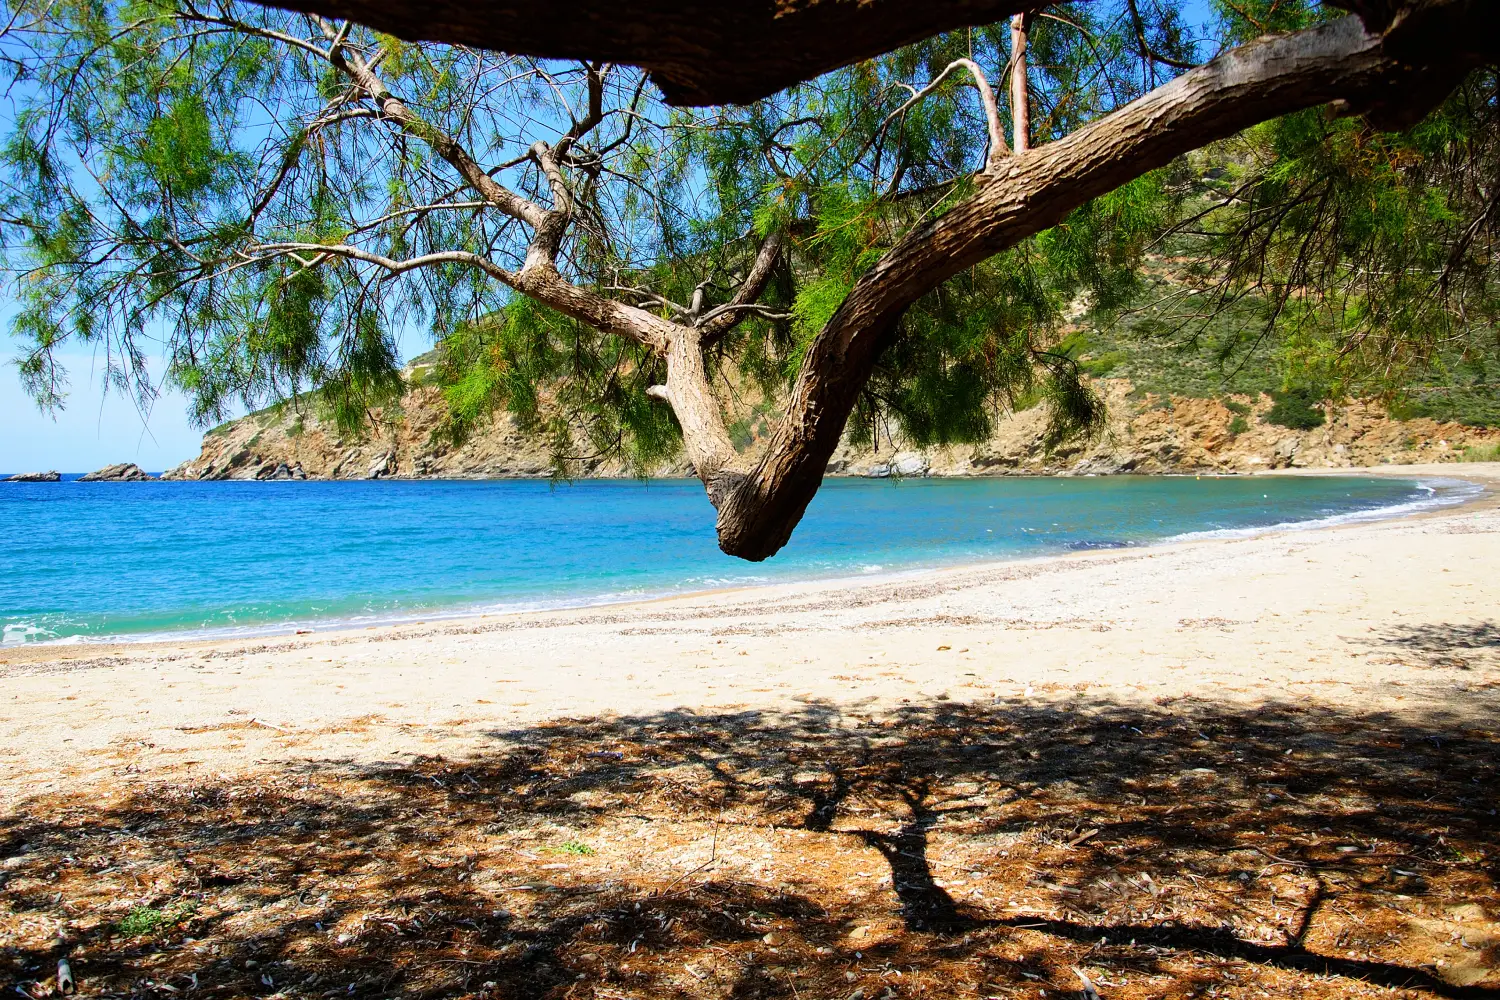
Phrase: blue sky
(97, 428)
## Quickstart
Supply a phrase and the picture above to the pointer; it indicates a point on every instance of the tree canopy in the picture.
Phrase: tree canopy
(274, 195)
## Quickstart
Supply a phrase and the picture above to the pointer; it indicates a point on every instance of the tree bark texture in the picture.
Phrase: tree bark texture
(724, 52)
(1020, 95)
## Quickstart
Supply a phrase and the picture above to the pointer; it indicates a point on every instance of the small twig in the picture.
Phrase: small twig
(1283, 861)
(262, 722)
(712, 856)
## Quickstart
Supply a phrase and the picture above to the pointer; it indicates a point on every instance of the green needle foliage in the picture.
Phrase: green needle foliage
(173, 170)
(1366, 259)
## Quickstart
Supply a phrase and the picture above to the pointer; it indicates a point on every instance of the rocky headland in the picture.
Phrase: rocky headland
(1146, 433)
(34, 477)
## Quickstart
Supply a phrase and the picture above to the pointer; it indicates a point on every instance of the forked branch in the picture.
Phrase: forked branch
(716, 322)
(998, 149)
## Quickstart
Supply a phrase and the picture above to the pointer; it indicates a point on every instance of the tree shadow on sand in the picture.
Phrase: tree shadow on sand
(946, 850)
(1447, 644)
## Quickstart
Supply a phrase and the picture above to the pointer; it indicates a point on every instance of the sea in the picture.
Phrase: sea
(89, 562)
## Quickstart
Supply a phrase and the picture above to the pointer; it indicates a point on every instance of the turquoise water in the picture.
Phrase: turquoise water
(87, 561)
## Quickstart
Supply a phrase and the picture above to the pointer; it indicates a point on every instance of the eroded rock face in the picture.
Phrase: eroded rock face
(280, 470)
(125, 472)
(383, 466)
(1147, 434)
(34, 477)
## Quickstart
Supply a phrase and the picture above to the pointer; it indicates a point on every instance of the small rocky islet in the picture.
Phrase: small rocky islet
(123, 472)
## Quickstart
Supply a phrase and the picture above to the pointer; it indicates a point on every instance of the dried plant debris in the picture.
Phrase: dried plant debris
(945, 851)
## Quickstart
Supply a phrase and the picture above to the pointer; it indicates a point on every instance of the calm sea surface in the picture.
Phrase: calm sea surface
(85, 561)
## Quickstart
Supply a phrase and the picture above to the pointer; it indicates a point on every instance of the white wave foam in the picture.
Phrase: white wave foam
(1440, 493)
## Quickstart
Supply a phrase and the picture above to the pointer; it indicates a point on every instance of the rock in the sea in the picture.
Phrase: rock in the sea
(34, 477)
(281, 471)
(125, 472)
(908, 464)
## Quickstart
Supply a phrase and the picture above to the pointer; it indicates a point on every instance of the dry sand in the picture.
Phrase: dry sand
(1356, 616)
(802, 790)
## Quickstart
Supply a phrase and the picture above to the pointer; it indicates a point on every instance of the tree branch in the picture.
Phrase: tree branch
(718, 321)
(998, 149)
(1139, 24)
(761, 503)
(705, 437)
(394, 266)
(1020, 97)
(441, 142)
(539, 276)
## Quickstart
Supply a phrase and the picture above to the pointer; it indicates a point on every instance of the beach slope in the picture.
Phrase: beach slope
(1265, 763)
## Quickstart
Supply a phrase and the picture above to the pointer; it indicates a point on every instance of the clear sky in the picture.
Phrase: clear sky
(96, 429)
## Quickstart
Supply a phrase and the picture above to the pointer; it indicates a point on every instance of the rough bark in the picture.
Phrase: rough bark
(726, 52)
(704, 436)
(760, 505)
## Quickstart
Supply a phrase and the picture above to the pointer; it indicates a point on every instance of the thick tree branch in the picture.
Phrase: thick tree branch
(553, 226)
(726, 52)
(761, 503)
(705, 438)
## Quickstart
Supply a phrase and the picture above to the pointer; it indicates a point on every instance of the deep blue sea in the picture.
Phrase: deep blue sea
(86, 561)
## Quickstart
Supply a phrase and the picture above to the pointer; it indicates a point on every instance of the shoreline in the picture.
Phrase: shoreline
(1105, 619)
(1484, 476)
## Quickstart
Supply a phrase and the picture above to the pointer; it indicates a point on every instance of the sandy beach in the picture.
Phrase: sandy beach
(1356, 616)
(716, 726)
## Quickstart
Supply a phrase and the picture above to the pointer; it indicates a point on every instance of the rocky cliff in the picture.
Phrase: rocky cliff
(1145, 433)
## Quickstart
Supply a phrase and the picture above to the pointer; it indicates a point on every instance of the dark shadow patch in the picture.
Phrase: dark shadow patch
(990, 847)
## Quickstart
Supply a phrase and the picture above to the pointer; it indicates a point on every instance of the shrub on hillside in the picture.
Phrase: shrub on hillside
(1296, 408)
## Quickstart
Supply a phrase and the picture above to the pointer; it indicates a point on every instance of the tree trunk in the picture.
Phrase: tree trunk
(760, 505)
(704, 436)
